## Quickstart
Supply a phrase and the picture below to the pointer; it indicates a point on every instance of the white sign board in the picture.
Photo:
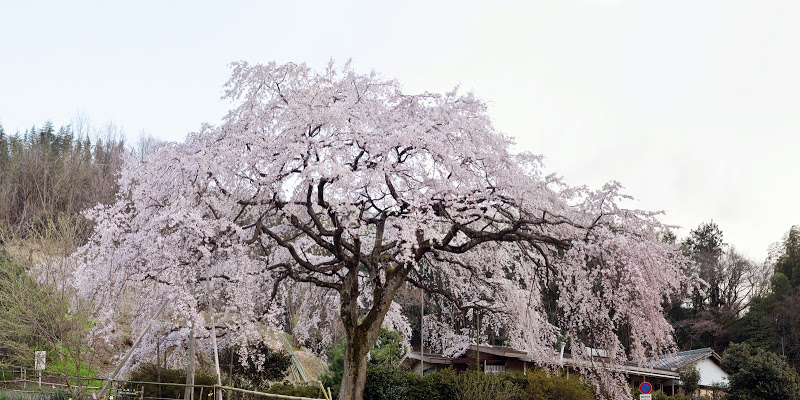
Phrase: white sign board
(646, 397)
(39, 359)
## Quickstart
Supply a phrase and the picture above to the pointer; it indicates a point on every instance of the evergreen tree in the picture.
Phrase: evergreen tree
(788, 258)
(771, 320)
(87, 150)
(758, 374)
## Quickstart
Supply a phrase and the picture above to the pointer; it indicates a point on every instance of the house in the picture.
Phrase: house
(493, 359)
(661, 372)
(707, 362)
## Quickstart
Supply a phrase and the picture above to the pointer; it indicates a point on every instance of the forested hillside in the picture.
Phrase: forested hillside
(743, 301)
(48, 173)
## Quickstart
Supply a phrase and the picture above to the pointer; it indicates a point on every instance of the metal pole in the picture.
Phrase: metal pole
(478, 339)
(218, 391)
(158, 364)
(189, 393)
(422, 333)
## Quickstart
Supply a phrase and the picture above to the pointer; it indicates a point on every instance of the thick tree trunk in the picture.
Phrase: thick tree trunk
(361, 333)
(355, 366)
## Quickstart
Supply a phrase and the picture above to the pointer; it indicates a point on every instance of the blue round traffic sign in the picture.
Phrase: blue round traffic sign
(645, 387)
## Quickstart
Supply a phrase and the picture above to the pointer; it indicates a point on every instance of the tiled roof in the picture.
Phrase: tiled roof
(674, 361)
(663, 366)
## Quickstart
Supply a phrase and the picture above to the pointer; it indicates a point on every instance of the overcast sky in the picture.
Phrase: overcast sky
(693, 105)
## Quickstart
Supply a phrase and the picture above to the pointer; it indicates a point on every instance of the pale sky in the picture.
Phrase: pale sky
(693, 105)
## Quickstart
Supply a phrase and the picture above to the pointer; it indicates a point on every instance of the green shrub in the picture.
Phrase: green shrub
(389, 383)
(384, 383)
(261, 366)
(541, 385)
(659, 395)
(392, 384)
(333, 378)
(690, 378)
(148, 373)
(388, 349)
(759, 374)
(60, 395)
(441, 385)
(478, 385)
(386, 353)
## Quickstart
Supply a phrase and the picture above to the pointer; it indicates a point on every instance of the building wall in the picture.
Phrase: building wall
(710, 373)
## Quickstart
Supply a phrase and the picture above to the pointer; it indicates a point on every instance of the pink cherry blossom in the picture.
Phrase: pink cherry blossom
(324, 193)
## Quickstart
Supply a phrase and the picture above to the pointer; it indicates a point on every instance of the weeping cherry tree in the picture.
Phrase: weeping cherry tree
(343, 182)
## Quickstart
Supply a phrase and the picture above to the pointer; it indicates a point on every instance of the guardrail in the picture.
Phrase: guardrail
(20, 384)
(26, 377)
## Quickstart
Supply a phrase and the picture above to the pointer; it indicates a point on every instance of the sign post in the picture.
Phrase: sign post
(645, 388)
(38, 363)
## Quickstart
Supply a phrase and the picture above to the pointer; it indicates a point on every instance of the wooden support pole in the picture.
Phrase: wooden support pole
(130, 351)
